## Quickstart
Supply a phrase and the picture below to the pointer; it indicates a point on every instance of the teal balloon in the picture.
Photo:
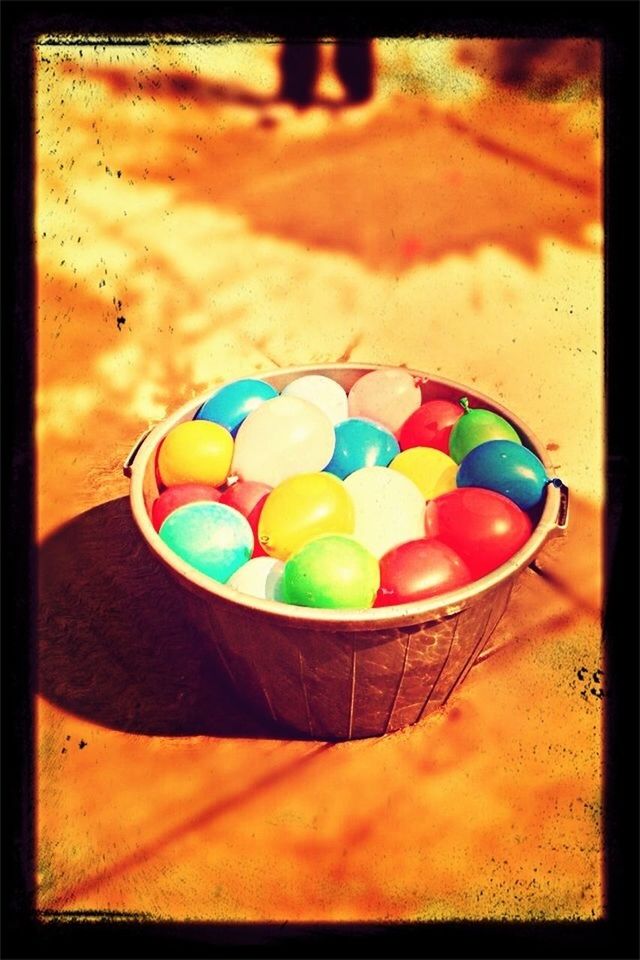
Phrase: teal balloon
(332, 571)
(506, 467)
(233, 403)
(477, 426)
(210, 536)
(361, 443)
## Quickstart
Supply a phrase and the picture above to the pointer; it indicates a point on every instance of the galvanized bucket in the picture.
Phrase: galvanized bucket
(335, 674)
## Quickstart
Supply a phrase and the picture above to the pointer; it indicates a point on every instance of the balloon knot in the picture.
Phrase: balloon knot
(554, 481)
(464, 403)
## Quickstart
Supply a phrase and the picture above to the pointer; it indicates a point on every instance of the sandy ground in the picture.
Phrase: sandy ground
(189, 232)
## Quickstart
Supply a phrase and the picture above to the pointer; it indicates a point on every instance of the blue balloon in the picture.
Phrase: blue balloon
(231, 404)
(212, 537)
(361, 443)
(506, 467)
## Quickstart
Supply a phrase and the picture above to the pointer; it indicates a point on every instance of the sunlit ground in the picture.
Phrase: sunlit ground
(190, 231)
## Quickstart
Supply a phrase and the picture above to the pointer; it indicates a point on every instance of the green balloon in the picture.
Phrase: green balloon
(331, 571)
(475, 427)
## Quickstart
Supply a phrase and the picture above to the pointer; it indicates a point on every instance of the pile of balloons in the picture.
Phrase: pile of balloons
(322, 498)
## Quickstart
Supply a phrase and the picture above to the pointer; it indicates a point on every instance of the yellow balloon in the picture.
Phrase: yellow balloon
(197, 451)
(432, 471)
(301, 508)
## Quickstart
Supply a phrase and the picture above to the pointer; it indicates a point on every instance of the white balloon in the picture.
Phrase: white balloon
(389, 508)
(259, 577)
(324, 392)
(281, 438)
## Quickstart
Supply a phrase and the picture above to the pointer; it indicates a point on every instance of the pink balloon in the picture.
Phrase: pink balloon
(387, 396)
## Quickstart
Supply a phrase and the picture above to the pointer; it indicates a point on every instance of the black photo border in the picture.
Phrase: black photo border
(616, 23)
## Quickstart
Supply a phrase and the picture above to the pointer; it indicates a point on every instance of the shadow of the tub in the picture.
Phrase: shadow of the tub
(114, 645)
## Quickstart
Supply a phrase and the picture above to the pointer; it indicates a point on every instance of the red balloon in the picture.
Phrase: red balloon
(248, 497)
(430, 425)
(159, 484)
(481, 526)
(419, 569)
(176, 496)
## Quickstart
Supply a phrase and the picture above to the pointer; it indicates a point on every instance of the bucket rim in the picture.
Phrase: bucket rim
(417, 611)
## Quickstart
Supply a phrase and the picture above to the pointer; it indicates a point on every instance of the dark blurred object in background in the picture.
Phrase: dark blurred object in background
(300, 67)
(539, 67)
(354, 66)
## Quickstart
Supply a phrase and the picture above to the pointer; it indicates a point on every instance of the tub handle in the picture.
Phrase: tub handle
(558, 530)
(128, 463)
(562, 519)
